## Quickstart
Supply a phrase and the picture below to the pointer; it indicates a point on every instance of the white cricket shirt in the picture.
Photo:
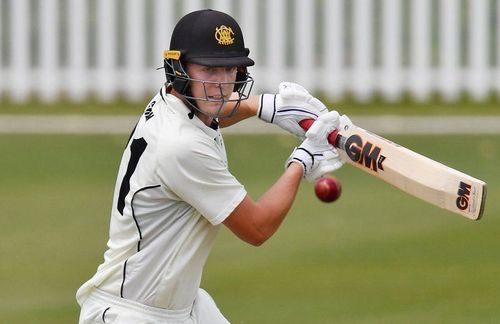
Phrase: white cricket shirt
(173, 190)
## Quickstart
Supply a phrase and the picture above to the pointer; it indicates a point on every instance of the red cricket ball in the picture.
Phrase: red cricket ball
(327, 189)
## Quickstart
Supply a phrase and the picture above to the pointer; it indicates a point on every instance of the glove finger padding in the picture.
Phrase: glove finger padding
(329, 162)
(291, 91)
(295, 100)
(323, 126)
(344, 122)
(315, 154)
(291, 105)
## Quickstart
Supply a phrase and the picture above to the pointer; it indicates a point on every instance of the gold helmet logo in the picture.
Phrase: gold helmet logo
(224, 35)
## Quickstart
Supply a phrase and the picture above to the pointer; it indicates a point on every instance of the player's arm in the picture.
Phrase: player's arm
(285, 109)
(256, 221)
(248, 108)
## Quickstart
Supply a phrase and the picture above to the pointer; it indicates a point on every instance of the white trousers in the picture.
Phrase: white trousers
(101, 307)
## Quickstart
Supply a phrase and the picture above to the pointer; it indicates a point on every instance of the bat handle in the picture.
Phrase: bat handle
(332, 137)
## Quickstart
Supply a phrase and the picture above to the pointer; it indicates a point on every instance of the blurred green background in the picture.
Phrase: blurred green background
(375, 256)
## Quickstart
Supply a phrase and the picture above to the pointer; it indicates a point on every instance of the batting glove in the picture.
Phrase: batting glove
(345, 122)
(289, 106)
(316, 156)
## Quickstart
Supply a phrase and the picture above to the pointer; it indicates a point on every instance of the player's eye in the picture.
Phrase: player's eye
(208, 69)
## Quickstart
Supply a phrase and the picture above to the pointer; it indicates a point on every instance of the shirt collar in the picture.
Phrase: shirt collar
(182, 110)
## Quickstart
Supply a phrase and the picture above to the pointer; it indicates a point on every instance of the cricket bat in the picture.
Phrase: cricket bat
(409, 171)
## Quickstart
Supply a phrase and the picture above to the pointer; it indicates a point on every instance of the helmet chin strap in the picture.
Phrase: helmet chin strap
(191, 104)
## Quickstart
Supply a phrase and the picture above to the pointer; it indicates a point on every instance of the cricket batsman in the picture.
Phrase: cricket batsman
(174, 188)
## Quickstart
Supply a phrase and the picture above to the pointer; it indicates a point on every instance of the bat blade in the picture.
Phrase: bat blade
(412, 172)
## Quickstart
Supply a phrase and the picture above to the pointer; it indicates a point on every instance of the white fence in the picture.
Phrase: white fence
(107, 48)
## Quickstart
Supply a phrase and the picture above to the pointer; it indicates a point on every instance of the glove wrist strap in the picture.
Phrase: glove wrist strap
(267, 108)
(303, 157)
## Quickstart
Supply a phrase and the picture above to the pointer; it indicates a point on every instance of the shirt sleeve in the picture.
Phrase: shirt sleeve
(196, 172)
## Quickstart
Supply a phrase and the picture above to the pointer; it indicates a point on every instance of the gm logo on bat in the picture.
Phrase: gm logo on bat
(463, 195)
(365, 154)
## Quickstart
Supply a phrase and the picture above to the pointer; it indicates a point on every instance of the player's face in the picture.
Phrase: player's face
(218, 86)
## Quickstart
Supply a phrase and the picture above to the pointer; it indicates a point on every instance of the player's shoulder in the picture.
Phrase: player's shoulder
(165, 123)
(185, 139)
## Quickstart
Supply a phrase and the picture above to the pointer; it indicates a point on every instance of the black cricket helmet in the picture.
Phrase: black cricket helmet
(209, 38)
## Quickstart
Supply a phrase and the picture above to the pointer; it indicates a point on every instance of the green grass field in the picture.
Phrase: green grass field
(349, 106)
(375, 256)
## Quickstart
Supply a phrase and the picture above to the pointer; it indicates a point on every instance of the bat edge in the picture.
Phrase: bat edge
(483, 202)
